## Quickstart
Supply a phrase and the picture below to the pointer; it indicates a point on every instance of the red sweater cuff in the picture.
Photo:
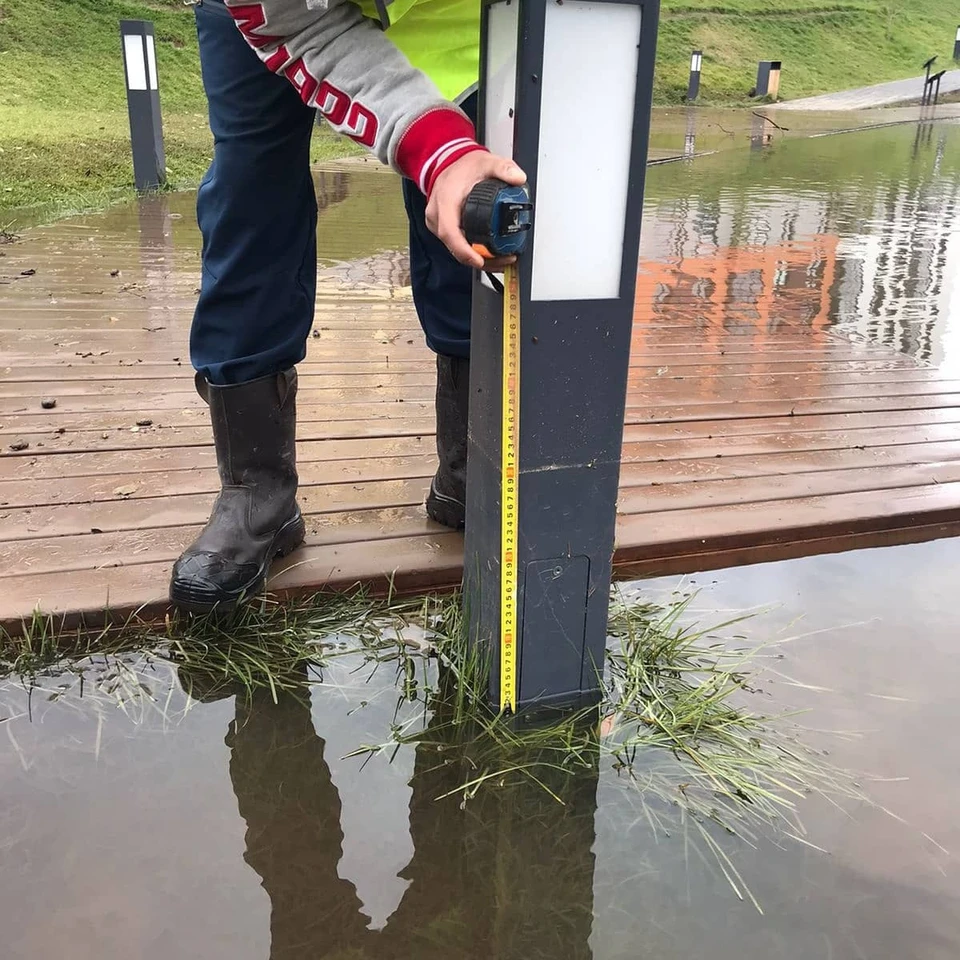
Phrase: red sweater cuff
(432, 142)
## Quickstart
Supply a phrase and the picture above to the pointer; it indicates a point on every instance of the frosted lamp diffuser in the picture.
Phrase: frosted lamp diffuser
(958, 34)
(501, 66)
(695, 62)
(136, 65)
(590, 60)
(151, 62)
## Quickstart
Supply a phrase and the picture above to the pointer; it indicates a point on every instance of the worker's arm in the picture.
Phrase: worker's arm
(344, 65)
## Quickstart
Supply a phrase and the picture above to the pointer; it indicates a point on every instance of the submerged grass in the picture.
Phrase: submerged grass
(676, 724)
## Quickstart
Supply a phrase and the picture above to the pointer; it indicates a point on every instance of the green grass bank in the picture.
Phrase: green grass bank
(63, 124)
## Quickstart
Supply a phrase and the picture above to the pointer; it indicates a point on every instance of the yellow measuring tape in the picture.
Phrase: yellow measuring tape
(510, 445)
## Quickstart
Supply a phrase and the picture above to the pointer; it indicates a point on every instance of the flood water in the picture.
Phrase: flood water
(238, 829)
(242, 829)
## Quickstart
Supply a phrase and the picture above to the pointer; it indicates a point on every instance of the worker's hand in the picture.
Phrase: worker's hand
(445, 207)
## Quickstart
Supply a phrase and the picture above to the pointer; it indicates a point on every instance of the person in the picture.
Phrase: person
(401, 81)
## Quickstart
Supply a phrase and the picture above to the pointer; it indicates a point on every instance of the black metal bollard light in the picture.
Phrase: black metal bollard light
(696, 62)
(926, 81)
(934, 95)
(768, 78)
(576, 286)
(956, 45)
(143, 104)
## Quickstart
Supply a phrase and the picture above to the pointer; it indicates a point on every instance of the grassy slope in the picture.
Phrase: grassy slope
(63, 125)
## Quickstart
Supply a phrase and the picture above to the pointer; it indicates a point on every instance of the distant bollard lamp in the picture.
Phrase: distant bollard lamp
(143, 104)
(540, 532)
(693, 86)
(768, 79)
(956, 45)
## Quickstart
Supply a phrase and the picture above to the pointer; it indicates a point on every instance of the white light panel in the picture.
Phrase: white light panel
(136, 65)
(590, 61)
(151, 63)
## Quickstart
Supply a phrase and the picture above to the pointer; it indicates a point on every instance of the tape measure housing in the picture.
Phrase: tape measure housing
(497, 218)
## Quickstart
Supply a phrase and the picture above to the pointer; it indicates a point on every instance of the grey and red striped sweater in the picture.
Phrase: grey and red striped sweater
(343, 64)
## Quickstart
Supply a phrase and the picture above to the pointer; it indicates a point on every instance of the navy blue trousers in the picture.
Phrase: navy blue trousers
(258, 217)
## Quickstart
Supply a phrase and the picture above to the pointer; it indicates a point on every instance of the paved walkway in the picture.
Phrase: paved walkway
(880, 95)
(752, 431)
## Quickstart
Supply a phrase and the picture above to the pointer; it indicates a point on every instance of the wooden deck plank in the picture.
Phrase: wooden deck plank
(94, 371)
(654, 392)
(751, 431)
(157, 446)
(652, 463)
(637, 413)
(645, 544)
(644, 442)
(141, 544)
(25, 395)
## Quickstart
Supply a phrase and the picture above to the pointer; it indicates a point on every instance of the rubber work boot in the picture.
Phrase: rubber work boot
(256, 517)
(447, 500)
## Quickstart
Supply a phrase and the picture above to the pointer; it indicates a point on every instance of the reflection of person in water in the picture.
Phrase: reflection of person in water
(294, 841)
(509, 875)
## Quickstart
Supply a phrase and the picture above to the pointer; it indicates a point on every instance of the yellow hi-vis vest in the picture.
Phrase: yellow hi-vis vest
(439, 37)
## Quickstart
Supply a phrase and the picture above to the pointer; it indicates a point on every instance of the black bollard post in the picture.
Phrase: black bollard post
(925, 100)
(935, 85)
(143, 104)
(575, 292)
(768, 78)
(956, 45)
(693, 87)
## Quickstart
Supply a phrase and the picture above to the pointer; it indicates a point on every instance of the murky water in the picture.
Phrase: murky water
(238, 829)
(864, 228)
(228, 828)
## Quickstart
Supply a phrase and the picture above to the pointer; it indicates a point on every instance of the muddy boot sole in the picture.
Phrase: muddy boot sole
(193, 598)
(448, 511)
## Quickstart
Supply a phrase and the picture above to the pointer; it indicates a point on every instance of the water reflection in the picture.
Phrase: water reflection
(235, 828)
(866, 225)
(511, 871)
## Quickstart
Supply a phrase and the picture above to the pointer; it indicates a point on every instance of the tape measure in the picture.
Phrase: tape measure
(509, 484)
(496, 221)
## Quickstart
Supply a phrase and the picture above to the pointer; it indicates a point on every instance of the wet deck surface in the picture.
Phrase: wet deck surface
(795, 380)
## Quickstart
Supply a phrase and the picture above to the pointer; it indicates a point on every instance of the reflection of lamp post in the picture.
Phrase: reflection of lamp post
(508, 874)
(143, 104)
(565, 89)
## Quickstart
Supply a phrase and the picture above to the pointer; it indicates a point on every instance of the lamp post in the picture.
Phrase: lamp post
(565, 88)
(768, 78)
(956, 45)
(143, 104)
(696, 62)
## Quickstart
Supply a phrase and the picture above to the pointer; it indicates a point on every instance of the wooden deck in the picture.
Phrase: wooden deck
(752, 432)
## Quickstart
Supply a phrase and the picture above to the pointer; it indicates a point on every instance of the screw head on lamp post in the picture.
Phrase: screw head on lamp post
(565, 89)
